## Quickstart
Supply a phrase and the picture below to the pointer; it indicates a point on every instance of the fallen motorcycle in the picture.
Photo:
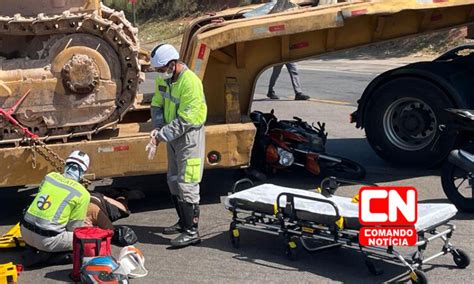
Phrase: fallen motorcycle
(457, 176)
(281, 144)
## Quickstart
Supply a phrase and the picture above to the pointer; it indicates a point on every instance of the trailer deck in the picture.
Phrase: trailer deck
(121, 152)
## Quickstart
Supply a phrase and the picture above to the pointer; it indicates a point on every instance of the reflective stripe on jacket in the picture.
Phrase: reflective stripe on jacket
(61, 204)
(182, 99)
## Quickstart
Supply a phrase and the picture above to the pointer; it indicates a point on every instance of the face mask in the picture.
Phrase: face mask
(73, 171)
(166, 75)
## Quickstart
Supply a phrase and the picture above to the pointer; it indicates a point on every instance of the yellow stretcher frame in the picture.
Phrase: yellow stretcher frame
(8, 273)
(12, 238)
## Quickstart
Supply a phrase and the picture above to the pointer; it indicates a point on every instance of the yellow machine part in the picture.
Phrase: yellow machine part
(8, 273)
(12, 239)
(230, 55)
(122, 153)
(80, 61)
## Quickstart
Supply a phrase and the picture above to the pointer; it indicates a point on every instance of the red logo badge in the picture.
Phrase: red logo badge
(389, 214)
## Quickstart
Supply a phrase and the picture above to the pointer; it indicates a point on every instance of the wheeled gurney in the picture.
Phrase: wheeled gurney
(332, 221)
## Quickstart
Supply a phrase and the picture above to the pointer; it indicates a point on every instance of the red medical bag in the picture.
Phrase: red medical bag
(89, 242)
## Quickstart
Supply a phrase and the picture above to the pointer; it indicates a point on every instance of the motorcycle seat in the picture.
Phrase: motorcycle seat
(462, 159)
(467, 155)
(464, 113)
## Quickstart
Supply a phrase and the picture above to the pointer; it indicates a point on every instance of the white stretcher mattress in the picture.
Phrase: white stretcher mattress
(263, 198)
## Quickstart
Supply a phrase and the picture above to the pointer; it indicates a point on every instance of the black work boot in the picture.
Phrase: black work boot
(272, 95)
(60, 258)
(33, 258)
(301, 97)
(178, 227)
(190, 234)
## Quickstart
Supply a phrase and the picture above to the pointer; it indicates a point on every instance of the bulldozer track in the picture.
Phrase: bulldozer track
(108, 25)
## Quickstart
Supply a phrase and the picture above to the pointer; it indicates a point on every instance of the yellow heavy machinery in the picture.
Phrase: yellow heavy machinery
(83, 91)
(79, 60)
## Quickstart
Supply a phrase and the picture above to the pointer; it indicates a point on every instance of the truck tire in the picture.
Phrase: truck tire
(402, 122)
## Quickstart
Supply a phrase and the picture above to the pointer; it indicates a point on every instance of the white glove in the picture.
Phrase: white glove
(153, 135)
(151, 149)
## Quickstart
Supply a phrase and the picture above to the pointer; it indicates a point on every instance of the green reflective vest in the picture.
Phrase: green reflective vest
(183, 98)
(59, 201)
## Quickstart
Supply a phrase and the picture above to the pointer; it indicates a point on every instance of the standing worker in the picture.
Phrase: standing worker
(59, 207)
(179, 111)
(295, 81)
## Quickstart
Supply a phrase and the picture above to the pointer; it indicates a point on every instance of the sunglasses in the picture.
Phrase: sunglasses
(163, 69)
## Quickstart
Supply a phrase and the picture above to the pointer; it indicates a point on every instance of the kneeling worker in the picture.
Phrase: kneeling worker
(178, 112)
(59, 207)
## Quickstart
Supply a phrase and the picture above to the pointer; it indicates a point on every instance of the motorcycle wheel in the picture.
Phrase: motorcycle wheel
(345, 169)
(455, 183)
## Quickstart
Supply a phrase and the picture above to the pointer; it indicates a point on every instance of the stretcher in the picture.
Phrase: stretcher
(9, 273)
(12, 238)
(323, 221)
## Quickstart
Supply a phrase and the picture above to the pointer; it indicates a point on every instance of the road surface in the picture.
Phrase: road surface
(327, 80)
(260, 259)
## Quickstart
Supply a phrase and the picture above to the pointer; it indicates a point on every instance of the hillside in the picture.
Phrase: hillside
(427, 45)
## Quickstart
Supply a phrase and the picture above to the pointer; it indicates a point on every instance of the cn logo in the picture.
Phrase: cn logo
(44, 202)
(388, 215)
(388, 206)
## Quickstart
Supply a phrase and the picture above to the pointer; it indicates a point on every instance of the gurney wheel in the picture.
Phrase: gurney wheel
(419, 277)
(235, 242)
(461, 258)
(234, 235)
(290, 250)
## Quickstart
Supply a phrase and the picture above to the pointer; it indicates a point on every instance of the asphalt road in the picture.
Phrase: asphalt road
(333, 80)
(342, 81)
(260, 259)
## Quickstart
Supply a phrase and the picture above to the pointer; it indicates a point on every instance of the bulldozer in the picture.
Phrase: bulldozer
(77, 61)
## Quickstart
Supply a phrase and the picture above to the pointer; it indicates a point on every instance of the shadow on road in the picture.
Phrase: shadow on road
(277, 100)
(378, 170)
(11, 255)
(13, 204)
(267, 251)
(338, 264)
(151, 235)
(59, 275)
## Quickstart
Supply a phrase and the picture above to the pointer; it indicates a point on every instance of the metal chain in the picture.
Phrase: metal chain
(38, 146)
(49, 155)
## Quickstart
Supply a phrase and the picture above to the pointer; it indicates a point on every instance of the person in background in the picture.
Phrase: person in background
(295, 81)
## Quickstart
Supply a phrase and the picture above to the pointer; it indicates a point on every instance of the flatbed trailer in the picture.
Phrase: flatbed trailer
(229, 52)
(121, 152)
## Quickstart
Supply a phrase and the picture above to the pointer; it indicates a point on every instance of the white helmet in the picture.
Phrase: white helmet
(80, 158)
(163, 54)
(132, 262)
